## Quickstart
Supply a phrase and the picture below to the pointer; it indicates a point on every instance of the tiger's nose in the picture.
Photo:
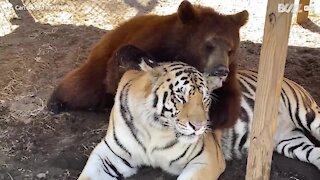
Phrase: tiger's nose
(196, 125)
(220, 71)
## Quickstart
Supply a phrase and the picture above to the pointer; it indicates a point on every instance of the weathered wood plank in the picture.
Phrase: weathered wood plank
(271, 70)
(302, 17)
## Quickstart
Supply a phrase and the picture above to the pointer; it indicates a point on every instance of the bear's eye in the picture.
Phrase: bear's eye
(209, 47)
(230, 52)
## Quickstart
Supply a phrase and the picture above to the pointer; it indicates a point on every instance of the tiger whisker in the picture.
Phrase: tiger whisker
(213, 97)
(209, 129)
(168, 124)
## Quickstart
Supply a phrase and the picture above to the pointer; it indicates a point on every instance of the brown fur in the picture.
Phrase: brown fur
(196, 35)
(225, 111)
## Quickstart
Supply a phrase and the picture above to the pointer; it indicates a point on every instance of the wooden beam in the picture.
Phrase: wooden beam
(303, 16)
(271, 70)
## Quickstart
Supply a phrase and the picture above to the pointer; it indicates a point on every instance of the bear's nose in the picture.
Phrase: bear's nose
(196, 125)
(220, 70)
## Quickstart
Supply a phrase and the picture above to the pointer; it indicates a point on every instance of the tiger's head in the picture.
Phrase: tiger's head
(177, 96)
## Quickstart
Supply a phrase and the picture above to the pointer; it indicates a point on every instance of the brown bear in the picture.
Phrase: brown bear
(196, 35)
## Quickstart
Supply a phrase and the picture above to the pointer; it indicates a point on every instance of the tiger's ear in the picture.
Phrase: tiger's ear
(131, 57)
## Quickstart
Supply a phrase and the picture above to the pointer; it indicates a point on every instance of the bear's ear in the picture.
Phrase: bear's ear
(131, 57)
(186, 12)
(240, 18)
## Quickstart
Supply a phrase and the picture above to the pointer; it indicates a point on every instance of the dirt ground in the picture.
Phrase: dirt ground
(36, 144)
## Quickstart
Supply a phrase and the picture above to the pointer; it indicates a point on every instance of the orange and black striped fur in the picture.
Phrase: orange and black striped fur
(159, 119)
(298, 129)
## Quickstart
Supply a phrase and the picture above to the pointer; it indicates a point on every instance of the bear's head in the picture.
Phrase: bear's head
(210, 39)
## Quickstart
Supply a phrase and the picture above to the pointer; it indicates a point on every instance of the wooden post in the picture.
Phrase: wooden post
(303, 16)
(271, 70)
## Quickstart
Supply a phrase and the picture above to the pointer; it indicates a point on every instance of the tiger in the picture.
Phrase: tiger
(298, 129)
(159, 119)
